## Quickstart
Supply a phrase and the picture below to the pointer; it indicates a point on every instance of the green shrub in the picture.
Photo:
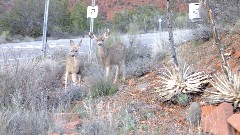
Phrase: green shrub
(183, 99)
(121, 21)
(103, 88)
(237, 24)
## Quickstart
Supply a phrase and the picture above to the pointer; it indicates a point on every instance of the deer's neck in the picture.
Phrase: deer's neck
(102, 51)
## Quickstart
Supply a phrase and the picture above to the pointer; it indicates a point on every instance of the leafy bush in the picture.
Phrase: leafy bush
(121, 20)
(143, 16)
(183, 99)
(103, 88)
(138, 58)
(203, 33)
(26, 17)
(26, 96)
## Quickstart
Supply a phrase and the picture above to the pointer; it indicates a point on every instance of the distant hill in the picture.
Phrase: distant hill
(108, 7)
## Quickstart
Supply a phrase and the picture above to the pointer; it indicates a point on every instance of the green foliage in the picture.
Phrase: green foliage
(25, 18)
(183, 99)
(237, 24)
(79, 22)
(180, 20)
(147, 16)
(144, 17)
(103, 88)
(59, 17)
(121, 20)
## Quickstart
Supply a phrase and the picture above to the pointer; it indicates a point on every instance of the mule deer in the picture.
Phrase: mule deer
(73, 64)
(113, 55)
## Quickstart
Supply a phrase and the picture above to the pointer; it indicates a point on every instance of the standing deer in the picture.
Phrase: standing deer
(73, 64)
(113, 55)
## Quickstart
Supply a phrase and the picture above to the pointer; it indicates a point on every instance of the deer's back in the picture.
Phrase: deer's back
(116, 53)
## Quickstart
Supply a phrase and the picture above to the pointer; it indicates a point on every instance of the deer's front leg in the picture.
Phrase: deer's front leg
(107, 68)
(124, 71)
(116, 75)
(74, 79)
(66, 77)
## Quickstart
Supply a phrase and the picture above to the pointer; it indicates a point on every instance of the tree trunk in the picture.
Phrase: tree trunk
(170, 31)
(218, 43)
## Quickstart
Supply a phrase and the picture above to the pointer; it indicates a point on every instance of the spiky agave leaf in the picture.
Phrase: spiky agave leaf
(225, 90)
(177, 80)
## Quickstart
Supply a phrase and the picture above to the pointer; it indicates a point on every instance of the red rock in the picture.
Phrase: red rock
(237, 55)
(232, 63)
(216, 121)
(70, 127)
(65, 117)
(132, 82)
(237, 133)
(234, 121)
(206, 110)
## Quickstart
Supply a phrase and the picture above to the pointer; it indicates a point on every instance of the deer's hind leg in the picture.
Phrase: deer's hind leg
(116, 75)
(74, 78)
(123, 70)
(66, 79)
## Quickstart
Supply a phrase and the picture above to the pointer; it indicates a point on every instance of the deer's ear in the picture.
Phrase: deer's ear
(92, 36)
(80, 43)
(72, 43)
(106, 34)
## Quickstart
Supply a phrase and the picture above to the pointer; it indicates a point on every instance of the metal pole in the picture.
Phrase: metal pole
(91, 30)
(171, 40)
(44, 47)
(160, 32)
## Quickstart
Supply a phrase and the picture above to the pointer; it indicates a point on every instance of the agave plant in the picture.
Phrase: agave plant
(178, 80)
(225, 90)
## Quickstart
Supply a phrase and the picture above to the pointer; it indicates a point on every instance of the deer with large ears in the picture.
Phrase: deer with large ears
(73, 64)
(109, 56)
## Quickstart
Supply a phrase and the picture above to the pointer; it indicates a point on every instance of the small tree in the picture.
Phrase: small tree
(25, 17)
(79, 22)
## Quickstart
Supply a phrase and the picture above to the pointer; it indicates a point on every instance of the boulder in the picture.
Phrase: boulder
(234, 121)
(216, 121)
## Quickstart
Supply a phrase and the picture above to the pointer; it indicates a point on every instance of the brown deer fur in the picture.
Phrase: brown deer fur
(73, 64)
(113, 55)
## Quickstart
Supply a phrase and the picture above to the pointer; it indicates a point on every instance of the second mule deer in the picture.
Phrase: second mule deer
(73, 64)
(113, 55)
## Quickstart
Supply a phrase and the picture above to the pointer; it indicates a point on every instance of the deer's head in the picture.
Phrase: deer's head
(100, 39)
(74, 48)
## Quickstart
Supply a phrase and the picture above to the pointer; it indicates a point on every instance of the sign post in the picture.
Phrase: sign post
(92, 12)
(160, 31)
(44, 40)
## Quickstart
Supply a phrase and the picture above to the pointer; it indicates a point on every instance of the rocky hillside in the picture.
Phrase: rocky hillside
(108, 7)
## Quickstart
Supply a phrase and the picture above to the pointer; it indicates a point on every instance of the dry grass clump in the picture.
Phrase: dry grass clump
(178, 80)
(25, 89)
(224, 90)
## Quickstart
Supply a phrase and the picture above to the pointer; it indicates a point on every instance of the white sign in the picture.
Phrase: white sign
(92, 12)
(160, 20)
(194, 11)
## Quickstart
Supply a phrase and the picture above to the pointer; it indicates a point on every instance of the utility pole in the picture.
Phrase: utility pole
(44, 38)
(91, 30)
(171, 40)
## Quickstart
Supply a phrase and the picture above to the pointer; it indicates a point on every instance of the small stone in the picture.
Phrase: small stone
(132, 82)
(234, 121)
(194, 114)
(216, 121)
